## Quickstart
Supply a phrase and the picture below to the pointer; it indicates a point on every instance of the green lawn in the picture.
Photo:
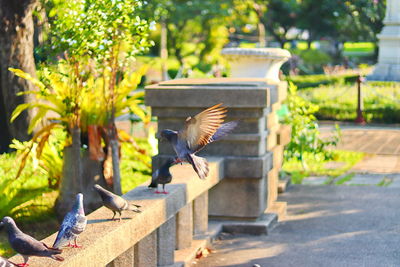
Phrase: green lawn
(317, 166)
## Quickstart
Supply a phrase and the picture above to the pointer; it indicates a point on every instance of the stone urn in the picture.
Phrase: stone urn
(256, 62)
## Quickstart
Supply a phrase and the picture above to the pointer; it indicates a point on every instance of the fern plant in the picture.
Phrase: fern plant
(61, 105)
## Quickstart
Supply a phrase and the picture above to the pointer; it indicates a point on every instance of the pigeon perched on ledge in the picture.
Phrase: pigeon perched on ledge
(6, 263)
(73, 224)
(162, 176)
(26, 245)
(115, 203)
(200, 130)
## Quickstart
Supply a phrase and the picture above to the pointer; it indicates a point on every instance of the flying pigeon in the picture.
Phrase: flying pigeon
(200, 130)
(115, 203)
(26, 245)
(6, 263)
(162, 176)
(73, 224)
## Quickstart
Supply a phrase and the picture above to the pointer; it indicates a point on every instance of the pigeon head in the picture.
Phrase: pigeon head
(78, 205)
(168, 134)
(8, 223)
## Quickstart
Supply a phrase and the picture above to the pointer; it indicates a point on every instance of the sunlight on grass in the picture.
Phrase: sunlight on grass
(317, 166)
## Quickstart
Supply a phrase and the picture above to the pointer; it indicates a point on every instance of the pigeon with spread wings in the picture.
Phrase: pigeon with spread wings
(200, 130)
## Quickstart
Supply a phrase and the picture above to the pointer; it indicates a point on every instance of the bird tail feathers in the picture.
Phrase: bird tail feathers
(153, 184)
(200, 165)
(57, 258)
(54, 250)
(134, 208)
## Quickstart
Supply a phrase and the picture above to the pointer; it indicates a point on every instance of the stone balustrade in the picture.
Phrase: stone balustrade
(170, 229)
(239, 194)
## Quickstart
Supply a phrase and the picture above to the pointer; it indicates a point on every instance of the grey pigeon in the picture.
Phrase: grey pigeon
(114, 202)
(200, 130)
(26, 245)
(73, 224)
(6, 263)
(162, 176)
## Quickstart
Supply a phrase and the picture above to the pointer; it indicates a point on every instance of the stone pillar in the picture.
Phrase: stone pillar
(388, 66)
(247, 160)
(200, 214)
(146, 251)
(184, 227)
(126, 259)
(166, 242)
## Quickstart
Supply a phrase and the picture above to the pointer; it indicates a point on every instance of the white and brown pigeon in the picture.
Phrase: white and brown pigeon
(198, 131)
(114, 202)
(73, 224)
(26, 245)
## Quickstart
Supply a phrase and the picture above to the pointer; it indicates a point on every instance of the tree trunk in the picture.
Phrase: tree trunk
(71, 182)
(261, 35)
(164, 51)
(16, 50)
(115, 163)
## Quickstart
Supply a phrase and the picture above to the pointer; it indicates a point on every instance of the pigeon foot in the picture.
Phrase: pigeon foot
(165, 192)
(22, 264)
(178, 161)
(157, 192)
(74, 246)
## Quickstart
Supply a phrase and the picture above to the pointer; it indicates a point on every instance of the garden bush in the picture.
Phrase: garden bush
(307, 81)
(305, 139)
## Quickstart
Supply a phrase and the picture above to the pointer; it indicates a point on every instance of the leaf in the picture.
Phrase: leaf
(18, 110)
(42, 143)
(35, 120)
(28, 77)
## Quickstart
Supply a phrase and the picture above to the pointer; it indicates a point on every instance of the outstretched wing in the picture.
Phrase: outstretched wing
(199, 129)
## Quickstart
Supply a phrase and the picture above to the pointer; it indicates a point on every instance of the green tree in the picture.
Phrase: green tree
(196, 27)
(282, 16)
(319, 19)
(366, 20)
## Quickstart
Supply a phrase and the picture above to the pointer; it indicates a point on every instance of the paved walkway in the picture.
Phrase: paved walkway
(326, 226)
(381, 143)
(333, 225)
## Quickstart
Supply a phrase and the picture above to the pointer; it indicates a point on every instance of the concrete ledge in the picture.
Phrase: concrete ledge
(279, 208)
(262, 226)
(283, 185)
(240, 93)
(105, 240)
(182, 112)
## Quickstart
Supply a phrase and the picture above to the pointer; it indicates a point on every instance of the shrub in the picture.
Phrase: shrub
(305, 134)
(339, 102)
(307, 81)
